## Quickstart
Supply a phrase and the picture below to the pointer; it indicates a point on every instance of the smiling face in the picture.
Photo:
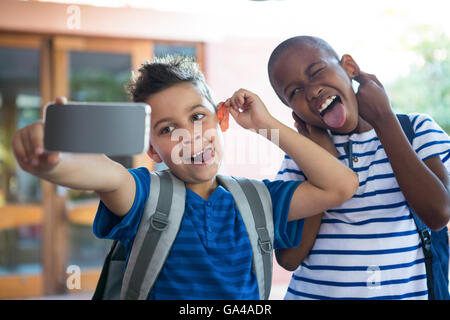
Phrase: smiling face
(184, 133)
(317, 86)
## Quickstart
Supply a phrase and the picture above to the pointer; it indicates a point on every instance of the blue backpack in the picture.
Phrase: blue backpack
(434, 243)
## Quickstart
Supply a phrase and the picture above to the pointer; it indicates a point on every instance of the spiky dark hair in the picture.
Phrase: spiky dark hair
(165, 72)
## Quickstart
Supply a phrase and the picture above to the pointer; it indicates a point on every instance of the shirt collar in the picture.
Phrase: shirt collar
(217, 193)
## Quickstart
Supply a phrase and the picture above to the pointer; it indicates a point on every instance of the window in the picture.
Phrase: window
(20, 245)
(170, 49)
(20, 106)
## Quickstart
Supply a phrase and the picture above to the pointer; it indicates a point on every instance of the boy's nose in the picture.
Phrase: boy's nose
(313, 92)
(194, 136)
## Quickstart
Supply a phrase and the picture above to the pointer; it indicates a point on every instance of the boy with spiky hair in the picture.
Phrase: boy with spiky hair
(211, 256)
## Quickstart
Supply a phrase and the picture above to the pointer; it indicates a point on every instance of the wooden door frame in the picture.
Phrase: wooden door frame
(53, 213)
(16, 215)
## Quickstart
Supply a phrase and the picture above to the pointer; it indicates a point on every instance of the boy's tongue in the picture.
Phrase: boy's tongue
(208, 154)
(335, 116)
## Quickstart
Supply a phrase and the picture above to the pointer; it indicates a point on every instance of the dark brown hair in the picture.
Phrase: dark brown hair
(165, 72)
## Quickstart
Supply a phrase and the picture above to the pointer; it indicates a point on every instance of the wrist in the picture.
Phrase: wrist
(384, 122)
(269, 124)
(270, 129)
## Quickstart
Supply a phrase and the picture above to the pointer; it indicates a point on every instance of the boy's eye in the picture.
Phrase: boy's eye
(197, 116)
(316, 72)
(167, 129)
(295, 91)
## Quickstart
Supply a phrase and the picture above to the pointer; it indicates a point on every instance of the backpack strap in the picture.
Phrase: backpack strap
(255, 205)
(424, 232)
(407, 127)
(156, 233)
(109, 283)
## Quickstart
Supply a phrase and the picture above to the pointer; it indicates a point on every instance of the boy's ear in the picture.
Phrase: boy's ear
(350, 66)
(154, 155)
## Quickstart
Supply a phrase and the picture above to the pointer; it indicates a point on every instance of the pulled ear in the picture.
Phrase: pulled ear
(350, 66)
(153, 154)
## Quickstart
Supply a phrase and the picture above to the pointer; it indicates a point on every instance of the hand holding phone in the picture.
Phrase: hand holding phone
(114, 129)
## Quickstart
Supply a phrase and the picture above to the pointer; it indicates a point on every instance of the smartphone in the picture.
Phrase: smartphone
(114, 129)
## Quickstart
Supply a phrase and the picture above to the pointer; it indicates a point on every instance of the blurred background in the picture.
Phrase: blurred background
(86, 50)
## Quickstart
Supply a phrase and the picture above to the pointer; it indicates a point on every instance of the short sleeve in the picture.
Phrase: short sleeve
(107, 225)
(430, 140)
(287, 234)
(290, 171)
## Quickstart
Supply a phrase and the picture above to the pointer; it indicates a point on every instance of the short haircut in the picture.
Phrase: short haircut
(298, 41)
(165, 72)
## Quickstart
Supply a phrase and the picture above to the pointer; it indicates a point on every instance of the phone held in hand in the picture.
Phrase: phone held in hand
(114, 129)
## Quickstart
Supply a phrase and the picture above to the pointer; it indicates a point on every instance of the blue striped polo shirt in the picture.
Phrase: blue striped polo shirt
(211, 257)
(368, 247)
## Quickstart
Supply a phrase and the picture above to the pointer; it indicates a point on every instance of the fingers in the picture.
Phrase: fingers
(47, 158)
(33, 141)
(28, 146)
(19, 150)
(26, 142)
(227, 103)
(234, 113)
(37, 138)
(61, 100)
(373, 78)
(240, 99)
(364, 77)
(58, 101)
(299, 123)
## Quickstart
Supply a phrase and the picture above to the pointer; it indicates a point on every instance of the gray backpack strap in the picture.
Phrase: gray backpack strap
(255, 205)
(157, 231)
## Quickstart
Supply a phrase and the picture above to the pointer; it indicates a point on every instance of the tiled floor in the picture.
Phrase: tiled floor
(277, 293)
(280, 281)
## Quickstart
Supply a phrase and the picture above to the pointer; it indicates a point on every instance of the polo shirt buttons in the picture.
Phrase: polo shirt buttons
(208, 210)
(355, 159)
(208, 214)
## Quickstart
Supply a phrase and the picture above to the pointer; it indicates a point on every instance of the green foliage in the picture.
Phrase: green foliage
(98, 85)
(426, 88)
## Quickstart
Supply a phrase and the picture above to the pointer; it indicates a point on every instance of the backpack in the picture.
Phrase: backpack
(435, 244)
(159, 227)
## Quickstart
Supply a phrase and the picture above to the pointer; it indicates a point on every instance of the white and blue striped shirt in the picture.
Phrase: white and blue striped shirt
(368, 247)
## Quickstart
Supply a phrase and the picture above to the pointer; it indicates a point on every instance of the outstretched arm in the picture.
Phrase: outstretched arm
(109, 179)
